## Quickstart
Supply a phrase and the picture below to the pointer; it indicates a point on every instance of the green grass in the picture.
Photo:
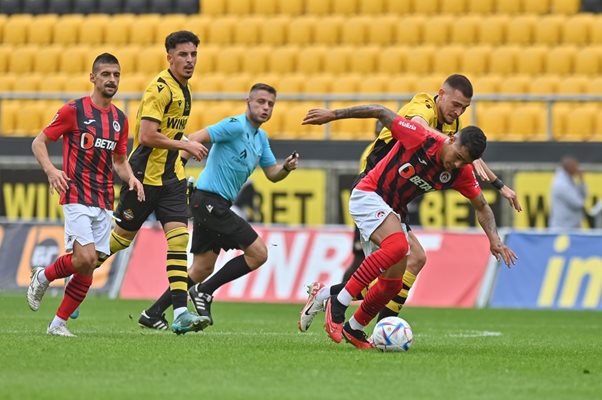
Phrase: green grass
(255, 352)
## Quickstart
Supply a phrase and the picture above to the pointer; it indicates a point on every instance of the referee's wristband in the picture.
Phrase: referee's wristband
(286, 169)
(498, 184)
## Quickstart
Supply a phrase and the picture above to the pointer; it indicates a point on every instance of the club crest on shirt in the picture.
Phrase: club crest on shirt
(444, 177)
(128, 214)
(116, 126)
(380, 214)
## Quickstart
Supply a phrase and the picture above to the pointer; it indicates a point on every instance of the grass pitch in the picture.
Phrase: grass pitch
(255, 352)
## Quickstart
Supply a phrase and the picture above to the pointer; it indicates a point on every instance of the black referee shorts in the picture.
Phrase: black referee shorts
(216, 226)
(169, 202)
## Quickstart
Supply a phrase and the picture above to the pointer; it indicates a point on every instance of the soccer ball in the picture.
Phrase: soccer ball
(392, 334)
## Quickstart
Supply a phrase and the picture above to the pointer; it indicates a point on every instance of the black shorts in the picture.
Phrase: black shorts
(169, 202)
(216, 226)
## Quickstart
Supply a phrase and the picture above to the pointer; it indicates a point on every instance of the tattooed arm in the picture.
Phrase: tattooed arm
(319, 116)
(487, 222)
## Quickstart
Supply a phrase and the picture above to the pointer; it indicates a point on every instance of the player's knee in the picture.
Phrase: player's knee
(84, 262)
(395, 247)
(177, 239)
(256, 254)
(416, 261)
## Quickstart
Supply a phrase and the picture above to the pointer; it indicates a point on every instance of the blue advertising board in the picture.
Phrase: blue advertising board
(554, 271)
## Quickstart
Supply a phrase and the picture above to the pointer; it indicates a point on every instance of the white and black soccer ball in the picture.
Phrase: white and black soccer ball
(392, 334)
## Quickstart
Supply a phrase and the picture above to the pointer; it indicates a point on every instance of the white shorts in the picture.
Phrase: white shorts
(86, 225)
(369, 210)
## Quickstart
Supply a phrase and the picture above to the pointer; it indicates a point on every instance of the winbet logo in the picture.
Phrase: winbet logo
(176, 123)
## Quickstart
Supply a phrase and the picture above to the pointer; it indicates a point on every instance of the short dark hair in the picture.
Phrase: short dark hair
(474, 139)
(176, 38)
(461, 83)
(263, 86)
(104, 58)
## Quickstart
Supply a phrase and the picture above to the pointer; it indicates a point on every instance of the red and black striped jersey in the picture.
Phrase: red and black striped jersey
(90, 136)
(413, 167)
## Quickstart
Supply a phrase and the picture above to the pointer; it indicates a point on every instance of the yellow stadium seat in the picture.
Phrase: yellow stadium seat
(353, 30)
(246, 30)
(559, 112)
(399, 7)
(420, 60)
(453, 7)
(143, 31)
(520, 29)
(547, 30)
(328, 30)
(491, 30)
(345, 83)
(49, 110)
(301, 30)
(46, 59)
(283, 59)
(273, 127)
(229, 59)
(391, 60)
(2, 23)
(8, 116)
(74, 60)
(594, 86)
(269, 78)
(66, 30)
(255, 59)
(40, 30)
(239, 83)
(119, 32)
(291, 83)
(503, 59)
(429, 83)
(588, 61)
(238, 7)
(318, 7)
(438, 30)
(597, 135)
(596, 30)
(318, 83)
(579, 123)
(565, 6)
(171, 23)
(208, 83)
(493, 120)
(345, 7)
(481, 6)
(560, 60)
(527, 122)
(381, 30)
(410, 29)
(310, 59)
(544, 84)
(536, 6)
(28, 121)
(7, 81)
(363, 59)
(220, 31)
(447, 60)
(53, 82)
(27, 83)
(5, 51)
(20, 60)
(92, 31)
(291, 7)
(16, 28)
(530, 60)
(78, 83)
(572, 84)
(373, 83)
(402, 84)
(337, 61)
(474, 60)
(275, 32)
(213, 8)
(509, 7)
(215, 112)
(265, 7)
(515, 84)
(133, 83)
(151, 60)
(126, 55)
(372, 7)
(426, 7)
(207, 59)
(464, 29)
(576, 29)
(487, 84)
(291, 122)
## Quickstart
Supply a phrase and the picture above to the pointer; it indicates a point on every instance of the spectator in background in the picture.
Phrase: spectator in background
(568, 195)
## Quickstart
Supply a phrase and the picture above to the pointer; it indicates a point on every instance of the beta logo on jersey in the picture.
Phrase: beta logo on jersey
(407, 171)
(89, 141)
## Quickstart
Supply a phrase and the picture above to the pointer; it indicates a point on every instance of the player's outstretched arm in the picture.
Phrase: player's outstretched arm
(485, 173)
(278, 172)
(319, 116)
(487, 221)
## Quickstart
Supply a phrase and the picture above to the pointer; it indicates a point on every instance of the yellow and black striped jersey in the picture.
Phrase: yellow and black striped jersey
(166, 102)
(422, 105)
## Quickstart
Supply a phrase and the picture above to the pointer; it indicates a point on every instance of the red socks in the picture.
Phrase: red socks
(75, 293)
(62, 267)
(378, 296)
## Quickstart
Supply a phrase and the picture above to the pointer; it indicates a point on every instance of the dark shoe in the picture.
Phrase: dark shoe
(153, 321)
(356, 337)
(202, 302)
